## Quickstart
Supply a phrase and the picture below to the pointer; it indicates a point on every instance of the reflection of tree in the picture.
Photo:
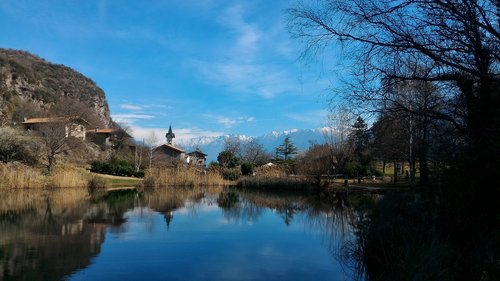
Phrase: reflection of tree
(48, 235)
(167, 200)
(287, 212)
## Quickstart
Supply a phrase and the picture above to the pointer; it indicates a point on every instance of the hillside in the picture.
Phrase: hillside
(29, 85)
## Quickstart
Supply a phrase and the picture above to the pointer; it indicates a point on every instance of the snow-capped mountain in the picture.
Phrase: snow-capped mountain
(301, 138)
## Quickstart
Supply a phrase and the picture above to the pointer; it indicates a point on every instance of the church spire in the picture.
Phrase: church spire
(170, 135)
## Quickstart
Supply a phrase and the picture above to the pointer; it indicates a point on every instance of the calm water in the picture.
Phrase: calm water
(175, 234)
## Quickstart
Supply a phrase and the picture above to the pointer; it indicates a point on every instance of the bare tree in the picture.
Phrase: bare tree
(317, 161)
(151, 143)
(56, 139)
(67, 106)
(233, 145)
(337, 135)
(254, 153)
(457, 42)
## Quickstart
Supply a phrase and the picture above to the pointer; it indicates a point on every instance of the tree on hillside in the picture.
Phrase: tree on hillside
(55, 140)
(286, 150)
(67, 106)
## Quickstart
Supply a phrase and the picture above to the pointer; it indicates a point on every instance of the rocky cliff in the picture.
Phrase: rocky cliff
(29, 85)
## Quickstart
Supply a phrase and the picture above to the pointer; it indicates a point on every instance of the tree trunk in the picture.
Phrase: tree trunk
(50, 159)
(423, 165)
(395, 172)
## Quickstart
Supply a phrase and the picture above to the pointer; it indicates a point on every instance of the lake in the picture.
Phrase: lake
(176, 234)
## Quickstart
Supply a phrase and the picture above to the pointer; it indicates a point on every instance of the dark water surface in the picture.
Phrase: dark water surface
(175, 234)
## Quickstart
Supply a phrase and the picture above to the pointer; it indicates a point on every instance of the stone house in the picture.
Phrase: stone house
(196, 158)
(74, 126)
(107, 137)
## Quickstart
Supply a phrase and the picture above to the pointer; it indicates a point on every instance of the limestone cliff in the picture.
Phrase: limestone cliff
(30, 84)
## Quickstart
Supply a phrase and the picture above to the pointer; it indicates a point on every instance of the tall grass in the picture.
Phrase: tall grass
(157, 177)
(13, 175)
(20, 176)
(68, 177)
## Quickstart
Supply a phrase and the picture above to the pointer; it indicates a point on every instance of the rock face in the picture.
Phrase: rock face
(27, 80)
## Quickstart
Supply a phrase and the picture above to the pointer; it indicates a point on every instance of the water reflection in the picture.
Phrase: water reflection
(50, 235)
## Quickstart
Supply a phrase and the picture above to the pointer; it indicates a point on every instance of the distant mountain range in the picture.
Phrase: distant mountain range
(301, 138)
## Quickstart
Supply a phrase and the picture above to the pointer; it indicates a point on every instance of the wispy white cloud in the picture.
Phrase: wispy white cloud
(244, 66)
(264, 80)
(131, 106)
(312, 117)
(247, 34)
(230, 122)
(130, 118)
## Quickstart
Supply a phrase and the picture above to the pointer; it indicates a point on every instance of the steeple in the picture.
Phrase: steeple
(170, 135)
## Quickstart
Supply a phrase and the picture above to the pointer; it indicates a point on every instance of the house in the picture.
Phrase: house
(196, 158)
(168, 153)
(74, 126)
(107, 137)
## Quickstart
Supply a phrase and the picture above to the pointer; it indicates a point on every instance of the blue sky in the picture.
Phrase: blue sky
(207, 67)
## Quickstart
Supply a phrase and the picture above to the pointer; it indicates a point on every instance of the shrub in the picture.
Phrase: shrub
(247, 169)
(230, 174)
(118, 168)
(13, 147)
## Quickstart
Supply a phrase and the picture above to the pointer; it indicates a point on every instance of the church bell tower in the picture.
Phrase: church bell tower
(170, 135)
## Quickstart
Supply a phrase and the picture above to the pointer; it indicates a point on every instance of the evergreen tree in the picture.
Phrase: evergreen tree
(360, 138)
(286, 150)
(360, 135)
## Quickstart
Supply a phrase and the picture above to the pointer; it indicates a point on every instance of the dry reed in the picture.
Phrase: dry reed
(158, 177)
(13, 175)
(68, 177)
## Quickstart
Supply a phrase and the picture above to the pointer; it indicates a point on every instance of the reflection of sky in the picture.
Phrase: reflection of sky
(201, 244)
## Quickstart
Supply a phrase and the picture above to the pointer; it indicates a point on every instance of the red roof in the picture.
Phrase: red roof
(53, 120)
